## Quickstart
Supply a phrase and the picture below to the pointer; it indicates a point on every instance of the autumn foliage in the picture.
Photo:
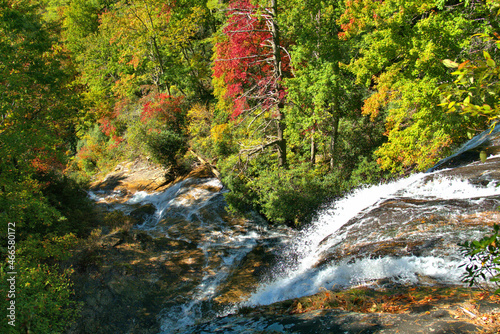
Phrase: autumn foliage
(164, 107)
(243, 69)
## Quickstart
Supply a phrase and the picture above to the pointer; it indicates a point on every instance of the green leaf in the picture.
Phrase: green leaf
(487, 109)
(449, 63)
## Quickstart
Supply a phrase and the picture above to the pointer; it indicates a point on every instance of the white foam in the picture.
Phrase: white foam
(307, 245)
(449, 188)
(297, 276)
(405, 270)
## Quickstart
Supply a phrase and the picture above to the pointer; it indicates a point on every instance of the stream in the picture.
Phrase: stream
(402, 232)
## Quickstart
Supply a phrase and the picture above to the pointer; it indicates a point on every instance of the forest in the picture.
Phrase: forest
(295, 103)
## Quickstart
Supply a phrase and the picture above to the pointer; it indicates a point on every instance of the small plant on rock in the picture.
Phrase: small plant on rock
(483, 262)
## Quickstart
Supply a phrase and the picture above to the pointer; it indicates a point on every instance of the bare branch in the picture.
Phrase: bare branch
(246, 57)
(256, 149)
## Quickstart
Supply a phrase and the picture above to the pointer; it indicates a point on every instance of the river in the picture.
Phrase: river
(402, 232)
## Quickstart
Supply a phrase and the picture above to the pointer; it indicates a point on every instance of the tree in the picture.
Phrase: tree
(321, 91)
(37, 114)
(151, 38)
(37, 111)
(249, 69)
(402, 44)
(475, 90)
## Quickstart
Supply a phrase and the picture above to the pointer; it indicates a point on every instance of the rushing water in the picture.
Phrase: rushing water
(401, 232)
(299, 274)
(193, 211)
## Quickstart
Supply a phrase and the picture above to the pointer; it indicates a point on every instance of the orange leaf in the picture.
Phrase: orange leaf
(462, 65)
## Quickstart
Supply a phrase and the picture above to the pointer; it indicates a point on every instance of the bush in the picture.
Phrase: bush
(207, 137)
(285, 196)
(367, 172)
(165, 146)
(44, 298)
(483, 262)
(97, 152)
(159, 130)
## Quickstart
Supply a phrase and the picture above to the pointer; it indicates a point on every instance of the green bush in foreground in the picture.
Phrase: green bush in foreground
(483, 261)
(39, 296)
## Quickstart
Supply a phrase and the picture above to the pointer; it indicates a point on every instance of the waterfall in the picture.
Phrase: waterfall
(401, 232)
(193, 211)
(301, 274)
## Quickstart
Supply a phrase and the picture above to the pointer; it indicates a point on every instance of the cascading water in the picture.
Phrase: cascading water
(405, 231)
(192, 212)
(357, 220)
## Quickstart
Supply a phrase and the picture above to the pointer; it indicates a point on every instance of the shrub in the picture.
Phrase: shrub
(290, 196)
(97, 152)
(164, 146)
(159, 130)
(367, 171)
(199, 123)
(43, 294)
(483, 263)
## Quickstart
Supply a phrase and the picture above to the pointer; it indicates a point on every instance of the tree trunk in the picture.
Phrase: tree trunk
(275, 42)
(281, 140)
(160, 62)
(313, 148)
(333, 141)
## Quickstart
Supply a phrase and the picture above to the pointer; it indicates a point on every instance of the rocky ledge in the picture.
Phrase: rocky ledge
(401, 310)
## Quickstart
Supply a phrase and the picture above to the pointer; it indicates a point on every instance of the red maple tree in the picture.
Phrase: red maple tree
(248, 61)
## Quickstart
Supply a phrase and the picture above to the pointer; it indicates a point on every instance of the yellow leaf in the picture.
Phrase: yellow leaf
(449, 63)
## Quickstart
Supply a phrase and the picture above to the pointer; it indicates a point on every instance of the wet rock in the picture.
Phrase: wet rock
(488, 142)
(154, 270)
(405, 227)
(246, 275)
(337, 322)
(143, 211)
(129, 278)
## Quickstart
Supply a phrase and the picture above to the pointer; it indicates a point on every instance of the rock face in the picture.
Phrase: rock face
(488, 141)
(163, 257)
(422, 227)
(135, 176)
(125, 280)
(126, 275)
(339, 322)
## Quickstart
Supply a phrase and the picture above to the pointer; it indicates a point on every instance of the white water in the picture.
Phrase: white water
(187, 200)
(405, 270)
(299, 276)
(187, 314)
(224, 245)
(194, 203)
